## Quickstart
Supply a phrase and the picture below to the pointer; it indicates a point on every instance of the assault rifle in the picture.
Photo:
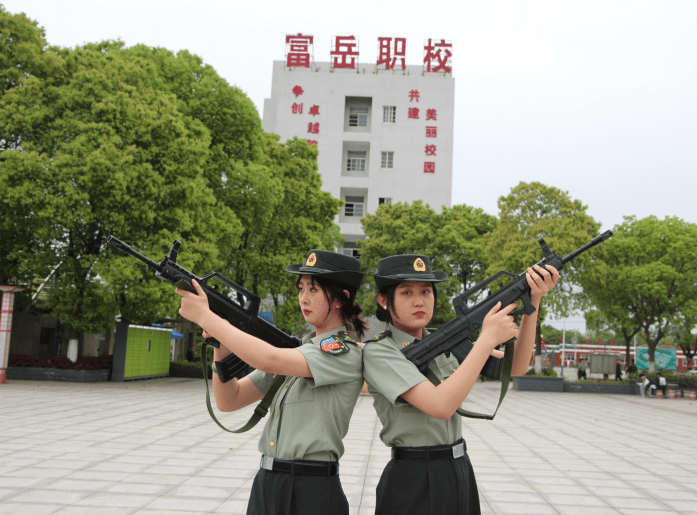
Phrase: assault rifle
(455, 335)
(243, 316)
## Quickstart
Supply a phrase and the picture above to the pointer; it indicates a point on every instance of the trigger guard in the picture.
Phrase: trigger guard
(527, 309)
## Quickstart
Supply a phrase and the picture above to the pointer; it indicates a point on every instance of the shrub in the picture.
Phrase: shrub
(84, 363)
(546, 372)
(604, 381)
(186, 363)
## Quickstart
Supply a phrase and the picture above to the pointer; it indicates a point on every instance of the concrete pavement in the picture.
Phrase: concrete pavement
(150, 448)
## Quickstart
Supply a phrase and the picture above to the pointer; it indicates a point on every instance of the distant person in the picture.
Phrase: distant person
(631, 368)
(662, 383)
(646, 387)
(582, 367)
(618, 370)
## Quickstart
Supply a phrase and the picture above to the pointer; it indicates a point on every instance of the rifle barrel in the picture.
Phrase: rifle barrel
(595, 241)
(124, 247)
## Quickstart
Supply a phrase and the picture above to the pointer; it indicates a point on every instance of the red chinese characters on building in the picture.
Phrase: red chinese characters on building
(414, 95)
(431, 132)
(430, 150)
(388, 53)
(312, 142)
(297, 108)
(297, 91)
(298, 51)
(431, 114)
(345, 52)
(314, 110)
(429, 167)
(413, 112)
(313, 128)
(437, 56)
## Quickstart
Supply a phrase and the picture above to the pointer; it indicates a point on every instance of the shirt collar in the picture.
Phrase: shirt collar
(314, 338)
(401, 337)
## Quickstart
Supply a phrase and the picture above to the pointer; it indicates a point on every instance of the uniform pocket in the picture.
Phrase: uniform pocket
(300, 391)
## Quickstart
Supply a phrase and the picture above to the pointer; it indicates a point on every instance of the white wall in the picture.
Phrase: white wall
(406, 137)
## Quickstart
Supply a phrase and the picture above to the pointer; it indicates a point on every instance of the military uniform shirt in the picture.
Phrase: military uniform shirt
(389, 374)
(308, 417)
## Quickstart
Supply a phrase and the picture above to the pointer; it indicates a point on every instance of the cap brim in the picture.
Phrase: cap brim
(345, 277)
(388, 280)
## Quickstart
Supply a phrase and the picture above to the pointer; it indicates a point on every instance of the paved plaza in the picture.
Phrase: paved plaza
(150, 448)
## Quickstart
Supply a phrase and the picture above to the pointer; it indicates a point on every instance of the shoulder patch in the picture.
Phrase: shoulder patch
(379, 336)
(334, 346)
(346, 338)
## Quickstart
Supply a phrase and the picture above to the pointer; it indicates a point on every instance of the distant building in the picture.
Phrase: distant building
(384, 130)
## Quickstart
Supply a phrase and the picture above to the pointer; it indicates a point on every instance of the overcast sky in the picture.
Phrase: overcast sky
(598, 98)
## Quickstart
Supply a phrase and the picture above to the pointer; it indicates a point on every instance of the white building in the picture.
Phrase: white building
(383, 135)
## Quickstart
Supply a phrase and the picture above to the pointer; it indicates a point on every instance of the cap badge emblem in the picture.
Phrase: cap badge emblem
(311, 260)
(419, 265)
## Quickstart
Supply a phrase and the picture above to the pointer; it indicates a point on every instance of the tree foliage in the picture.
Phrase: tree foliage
(95, 151)
(646, 278)
(299, 216)
(147, 146)
(453, 240)
(684, 335)
(534, 210)
(273, 189)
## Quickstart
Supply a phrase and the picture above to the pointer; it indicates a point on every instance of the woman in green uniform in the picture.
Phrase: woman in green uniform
(309, 415)
(430, 472)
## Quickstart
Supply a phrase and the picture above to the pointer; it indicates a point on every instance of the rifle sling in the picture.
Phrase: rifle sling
(505, 379)
(259, 412)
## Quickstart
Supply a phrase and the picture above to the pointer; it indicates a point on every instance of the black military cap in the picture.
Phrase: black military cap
(345, 270)
(407, 267)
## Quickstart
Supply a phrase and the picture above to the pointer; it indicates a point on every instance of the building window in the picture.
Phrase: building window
(350, 248)
(354, 206)
(386, 161)
(384, 200)
(356, 160)
(389, 114)
(358, 116)
(357, 113)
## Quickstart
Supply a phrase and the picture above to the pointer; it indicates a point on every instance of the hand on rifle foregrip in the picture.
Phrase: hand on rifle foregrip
(541, 281)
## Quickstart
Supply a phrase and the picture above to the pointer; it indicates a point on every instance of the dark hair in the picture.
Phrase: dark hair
(383, 314)
(349, 311)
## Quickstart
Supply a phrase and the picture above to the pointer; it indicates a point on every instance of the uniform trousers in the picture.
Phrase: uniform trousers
(435, 487)
(281, 493)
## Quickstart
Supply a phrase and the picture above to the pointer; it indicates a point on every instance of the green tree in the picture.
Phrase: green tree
(274, 189)
(615, 318)
(684, 336)
(24, 53)
(534, 210)
(299, 217)
(92, 150)
(646, 276)
(452, 240)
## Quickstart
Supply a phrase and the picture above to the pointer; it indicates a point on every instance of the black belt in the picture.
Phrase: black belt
(300, 467)
(435, 452)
